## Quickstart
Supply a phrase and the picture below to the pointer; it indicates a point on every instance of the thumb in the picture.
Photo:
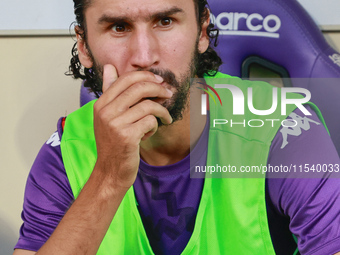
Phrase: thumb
(109, 76)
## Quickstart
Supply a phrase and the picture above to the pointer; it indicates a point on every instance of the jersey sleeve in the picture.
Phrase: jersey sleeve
(47, 195)
(309, 200)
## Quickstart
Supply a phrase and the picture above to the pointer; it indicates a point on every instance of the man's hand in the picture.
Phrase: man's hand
(123, 116)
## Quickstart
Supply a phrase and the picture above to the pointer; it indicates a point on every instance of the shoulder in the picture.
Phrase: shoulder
(47, 195)
(49, 159)
(308, 193)
(305, 140)
(79, 124)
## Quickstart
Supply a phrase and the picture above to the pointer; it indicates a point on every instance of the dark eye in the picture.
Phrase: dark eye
(120, 28)
(165, 22)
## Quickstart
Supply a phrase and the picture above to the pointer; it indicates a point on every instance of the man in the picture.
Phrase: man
(79, 200)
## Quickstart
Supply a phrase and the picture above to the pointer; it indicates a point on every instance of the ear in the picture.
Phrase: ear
(83, 54)
(203, 42)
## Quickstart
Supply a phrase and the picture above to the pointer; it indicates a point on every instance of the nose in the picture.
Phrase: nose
(144, 49)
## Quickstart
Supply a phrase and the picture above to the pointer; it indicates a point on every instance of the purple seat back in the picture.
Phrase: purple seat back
(86, 95)
(278, 30)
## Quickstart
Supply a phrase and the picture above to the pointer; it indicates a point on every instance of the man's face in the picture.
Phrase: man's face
(161, 36)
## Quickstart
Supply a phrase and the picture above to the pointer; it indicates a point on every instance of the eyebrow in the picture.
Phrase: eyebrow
(105, 18)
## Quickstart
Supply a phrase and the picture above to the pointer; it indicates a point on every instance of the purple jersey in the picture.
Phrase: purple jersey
(168, 198)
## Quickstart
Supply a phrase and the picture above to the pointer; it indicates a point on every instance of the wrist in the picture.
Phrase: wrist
(108, 183)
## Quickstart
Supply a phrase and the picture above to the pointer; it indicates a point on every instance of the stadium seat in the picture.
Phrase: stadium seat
(86, 95)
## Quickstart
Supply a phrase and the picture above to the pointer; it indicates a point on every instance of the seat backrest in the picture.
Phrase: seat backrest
(280, 33)
(278, 30)
(86, 95)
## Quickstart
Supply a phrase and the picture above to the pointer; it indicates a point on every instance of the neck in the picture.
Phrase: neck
(172, 143)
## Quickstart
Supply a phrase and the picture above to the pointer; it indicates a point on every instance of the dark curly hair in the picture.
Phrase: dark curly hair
(208, 62)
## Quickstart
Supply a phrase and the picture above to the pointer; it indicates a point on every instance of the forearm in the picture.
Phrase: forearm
(123, 116)
(85, 224)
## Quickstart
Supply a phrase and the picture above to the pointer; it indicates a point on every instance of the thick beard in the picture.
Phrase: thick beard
(179, 101)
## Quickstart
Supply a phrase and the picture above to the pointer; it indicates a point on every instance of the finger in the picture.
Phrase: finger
(139, 92)
(147, 126)
(109, 76)
(131, 97)
(143, 109)
(124, 82)
(149, 134)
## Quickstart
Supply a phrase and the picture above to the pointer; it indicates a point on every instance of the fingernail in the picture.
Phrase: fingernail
(169, 92)
(167, 123)
(159, 78)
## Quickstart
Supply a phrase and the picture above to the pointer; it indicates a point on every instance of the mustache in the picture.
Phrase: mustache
(168, 76)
